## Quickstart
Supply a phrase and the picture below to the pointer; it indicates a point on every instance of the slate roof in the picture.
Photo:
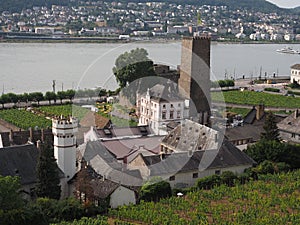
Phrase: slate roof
(295, 67)
(191, 136)
(105, 164)
(125, 131)
(226, 156)
(123, 147)
(19, 160)
(291, 123)
(166, 91)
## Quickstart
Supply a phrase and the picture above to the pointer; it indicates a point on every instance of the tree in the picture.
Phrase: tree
(9, 193)
(50, 96)
(155, 189)
(48, 174)
(70, 94)
(4, 99)
(133, 65)
(36, 97)
(13, 98)
(271, 130)
(61, 95)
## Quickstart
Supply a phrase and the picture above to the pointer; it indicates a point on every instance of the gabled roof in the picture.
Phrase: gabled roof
(226, 156)
(291, 124)
(123, 147)
(295, 67)
(106, 165)
(19, 160)
(166, 91)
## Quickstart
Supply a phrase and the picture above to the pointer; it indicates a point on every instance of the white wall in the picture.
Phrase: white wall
(122, 196)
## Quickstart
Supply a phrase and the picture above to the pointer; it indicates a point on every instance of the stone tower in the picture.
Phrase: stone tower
(64, 130)
(194, 81)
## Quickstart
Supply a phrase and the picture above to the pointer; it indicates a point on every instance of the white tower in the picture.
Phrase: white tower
(64, 130)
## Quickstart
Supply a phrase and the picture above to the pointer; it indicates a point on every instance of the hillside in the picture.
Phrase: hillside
(256, 5)
(274, 199)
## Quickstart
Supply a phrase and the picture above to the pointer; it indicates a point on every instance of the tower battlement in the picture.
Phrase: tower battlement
(201, 37)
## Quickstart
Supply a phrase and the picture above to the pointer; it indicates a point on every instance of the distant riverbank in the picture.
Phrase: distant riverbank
(37, 39)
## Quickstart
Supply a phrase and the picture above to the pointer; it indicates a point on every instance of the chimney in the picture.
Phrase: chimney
(296, 114)
(260, 111)
(30, 133)
(11, 136)
(39, 144)
(42, 135)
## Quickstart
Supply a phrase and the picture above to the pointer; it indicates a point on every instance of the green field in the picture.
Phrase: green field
(241, 111)
(274, 199)
(65, 110)
(24, 119)
(255, 98)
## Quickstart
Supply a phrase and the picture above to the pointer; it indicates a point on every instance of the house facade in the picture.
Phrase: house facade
(160, 105)
(295, 73)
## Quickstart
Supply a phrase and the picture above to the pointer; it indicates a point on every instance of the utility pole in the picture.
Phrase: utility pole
(53, 86)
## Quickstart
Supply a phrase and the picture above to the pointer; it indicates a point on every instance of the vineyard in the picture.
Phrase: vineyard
(274, 199)
(24, 119)
(65, 110)
(255, 98)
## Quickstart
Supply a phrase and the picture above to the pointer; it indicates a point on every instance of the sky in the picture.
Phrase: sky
(286, 3)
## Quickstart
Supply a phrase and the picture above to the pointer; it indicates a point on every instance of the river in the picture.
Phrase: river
(29, 67)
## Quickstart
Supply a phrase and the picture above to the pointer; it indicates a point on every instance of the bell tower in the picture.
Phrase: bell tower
(194, 81)
(64, 130)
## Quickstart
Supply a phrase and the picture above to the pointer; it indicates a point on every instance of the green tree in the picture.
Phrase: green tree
(270, 128)
(50, 96)
(4, 99)
(36, 97)
(47, 174)
(133, 65)
(10, 198)
(70, 94)
(155, 189)
(61, 95)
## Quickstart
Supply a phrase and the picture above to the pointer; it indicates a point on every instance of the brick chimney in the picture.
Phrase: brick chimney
(260, 111)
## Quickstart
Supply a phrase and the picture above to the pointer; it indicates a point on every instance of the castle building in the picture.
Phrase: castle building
(194, 81)
(64, 130)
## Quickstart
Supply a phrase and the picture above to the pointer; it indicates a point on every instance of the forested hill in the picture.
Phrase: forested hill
(256, 5)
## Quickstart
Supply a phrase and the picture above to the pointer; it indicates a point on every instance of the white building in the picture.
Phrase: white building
(64, 130)
(295, 73)
(161, 105)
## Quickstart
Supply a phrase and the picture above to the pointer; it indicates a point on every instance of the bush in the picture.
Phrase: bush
(272, 89)
(154, 191)
(228, 178)
(208, 182)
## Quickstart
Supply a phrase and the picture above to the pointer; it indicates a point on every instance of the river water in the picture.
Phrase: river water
(29, 67)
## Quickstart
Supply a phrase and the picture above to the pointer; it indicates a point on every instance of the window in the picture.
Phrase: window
(164, 115)
(178, 114)
(179, 105)
(171, 178)
(171, 115)
(164, 106)
(171, 105)
(293, 135)
(217, 172)
(195, 175)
